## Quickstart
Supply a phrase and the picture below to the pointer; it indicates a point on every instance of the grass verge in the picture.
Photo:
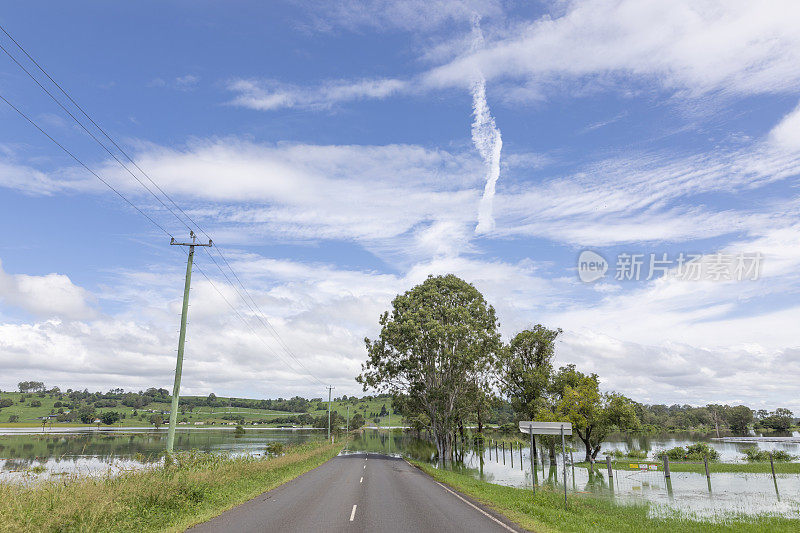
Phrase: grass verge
(197, 487)
(545, 512)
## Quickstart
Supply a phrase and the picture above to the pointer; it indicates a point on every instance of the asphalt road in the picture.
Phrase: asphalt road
(359, 492)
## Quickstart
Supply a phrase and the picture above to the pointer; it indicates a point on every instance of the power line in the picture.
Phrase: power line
(148, 217)
(260, 315)
(89, 133)
(236, 312)
(96, 125)
(81, 163)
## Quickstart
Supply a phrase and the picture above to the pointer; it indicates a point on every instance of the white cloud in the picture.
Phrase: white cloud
(364, 193)
(51, 295)
(786, 134)
(649, 197)
(268, 95)
(683, 46)
(32, 181)
(737, 47)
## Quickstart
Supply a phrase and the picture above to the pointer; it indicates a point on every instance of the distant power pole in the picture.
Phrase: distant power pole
(330, 388)
(347, 427)
(176, 389)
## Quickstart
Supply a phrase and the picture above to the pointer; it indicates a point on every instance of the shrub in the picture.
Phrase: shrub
(693, 452)
(36, 403)
(109, 417)
(508, 429)
(13, 418)
(755, 455)
(274, 448)
(632, 454)
(238, 431)
(6, 402)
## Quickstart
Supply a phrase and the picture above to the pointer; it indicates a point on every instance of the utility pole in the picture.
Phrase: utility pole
(347, 427)
(330, 388)
(176, 389)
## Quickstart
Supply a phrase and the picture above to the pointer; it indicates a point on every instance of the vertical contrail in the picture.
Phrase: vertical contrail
(487, 140)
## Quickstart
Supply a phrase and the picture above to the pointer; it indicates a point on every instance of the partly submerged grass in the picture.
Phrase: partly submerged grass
(545, 512)
(699, 468)
(197, 487)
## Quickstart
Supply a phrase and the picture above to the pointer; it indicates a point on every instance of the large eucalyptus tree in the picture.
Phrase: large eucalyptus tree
(434, 343)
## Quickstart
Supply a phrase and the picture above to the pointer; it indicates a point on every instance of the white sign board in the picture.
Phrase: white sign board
(545, 428)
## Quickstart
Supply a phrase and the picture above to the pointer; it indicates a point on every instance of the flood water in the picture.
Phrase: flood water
(89, 451)
(65, 451)
(685, 494)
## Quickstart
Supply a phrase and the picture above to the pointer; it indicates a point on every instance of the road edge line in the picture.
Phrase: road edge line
(465, 500)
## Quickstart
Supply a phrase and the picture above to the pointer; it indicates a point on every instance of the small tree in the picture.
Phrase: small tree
(739, 418)
(593, 414)
(86, 414)
(356, 421)
(525, 367)
(109, 417)
(156, 420)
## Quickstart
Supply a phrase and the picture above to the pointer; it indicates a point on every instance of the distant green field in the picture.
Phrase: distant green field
(28, 415)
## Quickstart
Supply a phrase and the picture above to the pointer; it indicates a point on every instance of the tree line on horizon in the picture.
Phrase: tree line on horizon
(528, 383)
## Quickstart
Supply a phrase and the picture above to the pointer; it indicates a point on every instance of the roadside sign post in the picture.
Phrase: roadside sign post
(533, 463)
(564, 461)
(549, 428)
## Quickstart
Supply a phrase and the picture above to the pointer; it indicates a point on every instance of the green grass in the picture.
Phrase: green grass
(196, 488)
(545, 512)
(699, 468)
(208, 416)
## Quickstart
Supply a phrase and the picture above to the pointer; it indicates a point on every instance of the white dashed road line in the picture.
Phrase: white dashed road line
(353, 513)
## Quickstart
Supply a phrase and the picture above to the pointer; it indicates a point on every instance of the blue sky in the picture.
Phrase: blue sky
(339, 153)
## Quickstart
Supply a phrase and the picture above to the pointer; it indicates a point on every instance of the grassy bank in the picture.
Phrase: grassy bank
(197, 487)
(25, 409)
(699, 468)
(545, 512)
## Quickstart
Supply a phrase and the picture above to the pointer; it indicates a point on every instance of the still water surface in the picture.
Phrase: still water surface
(65, 451)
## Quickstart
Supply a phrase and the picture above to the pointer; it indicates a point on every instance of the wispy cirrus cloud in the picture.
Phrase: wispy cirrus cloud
(268, 95)
(410, 15)
(694, 49)
(734, 47)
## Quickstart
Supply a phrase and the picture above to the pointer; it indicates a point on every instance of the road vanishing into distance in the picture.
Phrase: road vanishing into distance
(360, 492)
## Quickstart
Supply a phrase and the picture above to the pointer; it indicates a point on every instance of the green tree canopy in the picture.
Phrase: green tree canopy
(739, 418)
(593, 414)
(437, 338)
(524, 368)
